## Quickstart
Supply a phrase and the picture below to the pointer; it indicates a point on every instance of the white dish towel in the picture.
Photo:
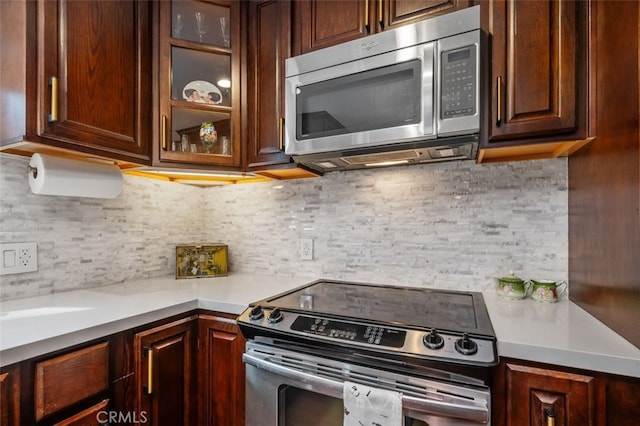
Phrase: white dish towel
(367, 406)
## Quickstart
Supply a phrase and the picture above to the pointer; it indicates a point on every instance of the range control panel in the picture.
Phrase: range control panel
(371, 334)
(429, 343)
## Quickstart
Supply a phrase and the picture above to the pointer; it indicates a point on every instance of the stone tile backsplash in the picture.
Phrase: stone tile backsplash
(84, 242)
(450, 225)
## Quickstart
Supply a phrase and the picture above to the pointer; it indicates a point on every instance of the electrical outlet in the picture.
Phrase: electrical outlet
(17, 258)
(306, 248)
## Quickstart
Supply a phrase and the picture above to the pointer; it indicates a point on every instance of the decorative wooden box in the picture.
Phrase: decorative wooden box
(203, 260)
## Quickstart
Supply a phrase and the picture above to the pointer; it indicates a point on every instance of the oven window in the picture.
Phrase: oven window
(299, 407)
(375, 99)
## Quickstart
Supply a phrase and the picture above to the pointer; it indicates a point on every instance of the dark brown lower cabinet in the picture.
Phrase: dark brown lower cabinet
(536, 395)
(184, 370)
(10, 396)
(163, 359)
(220, 371)
(70, 378)
(68, 387)
(188, 369)
(527, 393)
(94, 415)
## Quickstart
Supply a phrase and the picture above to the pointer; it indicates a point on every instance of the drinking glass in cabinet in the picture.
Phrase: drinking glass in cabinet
(178, 25)
(202, 25)
(201, 22)
(224, 31)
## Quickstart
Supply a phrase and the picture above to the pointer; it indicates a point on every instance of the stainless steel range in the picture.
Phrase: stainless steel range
(434, 348)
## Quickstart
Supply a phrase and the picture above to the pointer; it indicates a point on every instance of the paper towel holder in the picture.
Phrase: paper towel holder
(32, 170)
(73, 177)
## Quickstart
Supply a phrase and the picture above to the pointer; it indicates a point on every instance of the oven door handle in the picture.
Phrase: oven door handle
(334, 388)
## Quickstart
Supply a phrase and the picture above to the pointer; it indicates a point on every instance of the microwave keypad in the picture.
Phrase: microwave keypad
(458, 82)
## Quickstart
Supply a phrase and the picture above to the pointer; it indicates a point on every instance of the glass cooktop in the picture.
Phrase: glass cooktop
(405, 306)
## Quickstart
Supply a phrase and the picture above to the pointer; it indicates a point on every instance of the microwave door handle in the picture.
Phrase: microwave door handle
(335, 388)
(429, 89)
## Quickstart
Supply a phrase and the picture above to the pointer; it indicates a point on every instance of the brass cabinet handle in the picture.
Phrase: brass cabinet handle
(149, 352)
(380, 19)
(550, 416)
(281, 133)
(53, 82)
(499, 98)
(163, 134)
(366, 15)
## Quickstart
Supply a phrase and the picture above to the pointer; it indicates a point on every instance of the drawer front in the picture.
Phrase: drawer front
(89, 417)
(70, 378)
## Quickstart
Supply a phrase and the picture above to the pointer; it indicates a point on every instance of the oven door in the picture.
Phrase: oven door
(368, 102)
(288, 388)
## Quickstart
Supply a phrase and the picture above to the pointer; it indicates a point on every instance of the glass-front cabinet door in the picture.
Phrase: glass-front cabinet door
(199, 83)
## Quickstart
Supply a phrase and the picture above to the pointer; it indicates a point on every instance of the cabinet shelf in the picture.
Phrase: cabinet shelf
(200, 46)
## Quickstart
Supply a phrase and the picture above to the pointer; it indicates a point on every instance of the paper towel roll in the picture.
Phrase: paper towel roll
(74, 178)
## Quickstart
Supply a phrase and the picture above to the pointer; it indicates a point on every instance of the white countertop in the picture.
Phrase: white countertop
(37, 325)
(559, 334)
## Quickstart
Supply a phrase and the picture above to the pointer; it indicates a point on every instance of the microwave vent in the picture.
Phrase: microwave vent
(406, 155)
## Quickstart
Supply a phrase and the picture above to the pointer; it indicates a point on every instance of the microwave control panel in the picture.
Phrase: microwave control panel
(458, 82)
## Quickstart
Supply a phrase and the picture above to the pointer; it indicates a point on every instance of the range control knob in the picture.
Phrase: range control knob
(256, 313)
(466, 346)
(433, 340)
(275, 316)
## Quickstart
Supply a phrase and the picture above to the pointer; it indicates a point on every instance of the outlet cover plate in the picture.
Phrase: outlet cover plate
(306, 248)
(18, 258)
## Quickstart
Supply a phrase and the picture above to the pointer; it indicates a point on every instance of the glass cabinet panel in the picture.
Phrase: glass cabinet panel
(201, 22)
(200, 77)
(199, 106)
(200, 132)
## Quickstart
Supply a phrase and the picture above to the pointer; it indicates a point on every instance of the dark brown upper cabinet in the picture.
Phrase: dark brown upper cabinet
(269, 44)
(198, 121)
(324, 23)
(269, 41)
(75, 76)
(537, 89)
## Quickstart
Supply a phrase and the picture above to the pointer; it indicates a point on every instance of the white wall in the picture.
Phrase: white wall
(450, 225)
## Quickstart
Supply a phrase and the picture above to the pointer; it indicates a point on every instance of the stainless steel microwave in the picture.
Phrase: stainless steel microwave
(409, 95)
